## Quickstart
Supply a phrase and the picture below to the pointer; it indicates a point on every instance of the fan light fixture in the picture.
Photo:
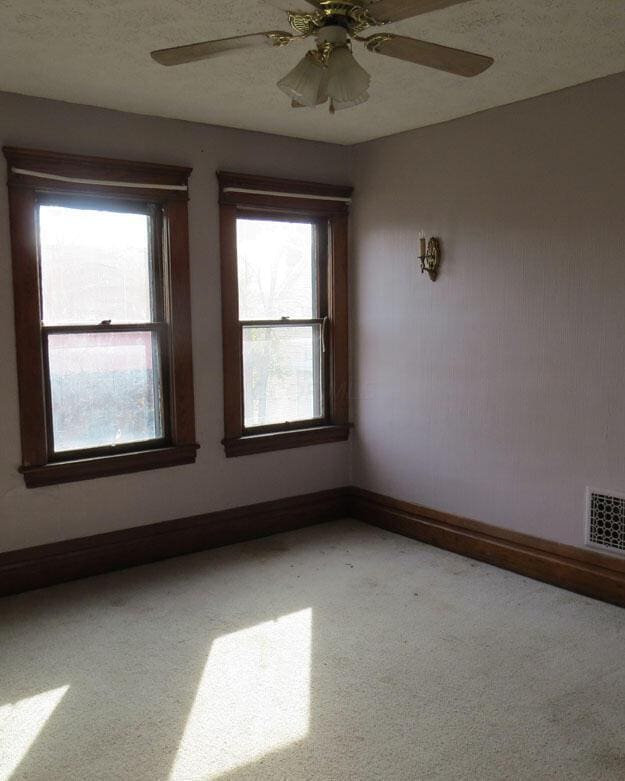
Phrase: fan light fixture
(328, 72)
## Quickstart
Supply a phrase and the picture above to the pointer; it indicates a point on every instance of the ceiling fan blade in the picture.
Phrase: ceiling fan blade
(193, 52)
(394, 10)
(432, 55)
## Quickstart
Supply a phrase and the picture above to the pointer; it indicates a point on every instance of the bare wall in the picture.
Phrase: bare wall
(497, 392)
(35, 516)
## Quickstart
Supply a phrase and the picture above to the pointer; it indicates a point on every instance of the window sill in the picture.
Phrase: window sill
(105, 466)
(283, 440)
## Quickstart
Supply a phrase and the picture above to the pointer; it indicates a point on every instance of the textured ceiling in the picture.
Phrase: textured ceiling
(97, 52)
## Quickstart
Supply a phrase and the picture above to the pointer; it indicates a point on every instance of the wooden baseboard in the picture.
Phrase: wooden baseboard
(57, 562)
(576, 569)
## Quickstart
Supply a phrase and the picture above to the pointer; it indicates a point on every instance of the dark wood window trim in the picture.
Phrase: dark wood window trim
(33, 175)
(329, 206)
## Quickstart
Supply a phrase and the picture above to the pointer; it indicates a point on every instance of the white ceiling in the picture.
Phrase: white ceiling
(96, 52)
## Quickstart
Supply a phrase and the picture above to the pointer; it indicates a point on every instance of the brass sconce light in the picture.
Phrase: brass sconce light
(431, 257)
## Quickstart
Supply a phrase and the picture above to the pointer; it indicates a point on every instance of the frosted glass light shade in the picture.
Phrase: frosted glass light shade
(347, 80)
(337, 105)
(322, 94)
(304, 84)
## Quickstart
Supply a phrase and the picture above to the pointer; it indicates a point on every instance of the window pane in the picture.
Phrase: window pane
(275, 269)
(281, 374)
(95, 265)
(105, 389)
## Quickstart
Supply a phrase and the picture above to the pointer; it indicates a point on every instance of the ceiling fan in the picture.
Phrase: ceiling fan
(329, 72)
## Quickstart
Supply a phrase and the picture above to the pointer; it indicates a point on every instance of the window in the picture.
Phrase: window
(284, 300)
(101, 287)
(282, 320)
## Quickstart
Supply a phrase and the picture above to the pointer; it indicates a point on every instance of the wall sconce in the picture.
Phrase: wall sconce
(431, 257)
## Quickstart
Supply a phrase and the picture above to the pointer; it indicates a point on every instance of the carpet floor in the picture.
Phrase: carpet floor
(336, 652)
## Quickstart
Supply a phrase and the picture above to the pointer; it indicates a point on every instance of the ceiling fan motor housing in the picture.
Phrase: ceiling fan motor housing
(353, 17)
(333, 34)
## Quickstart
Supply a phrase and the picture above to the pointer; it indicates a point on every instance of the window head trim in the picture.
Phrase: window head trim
(57, 172)
(287, 195)
(79, 178)
(328, 205)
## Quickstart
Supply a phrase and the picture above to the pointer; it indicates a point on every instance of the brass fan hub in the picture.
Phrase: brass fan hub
(352, 16)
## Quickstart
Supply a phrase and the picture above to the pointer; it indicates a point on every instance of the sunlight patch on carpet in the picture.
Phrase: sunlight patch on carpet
(20, 723)
(253, 698)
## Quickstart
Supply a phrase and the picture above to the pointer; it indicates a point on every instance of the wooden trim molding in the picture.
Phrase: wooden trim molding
(293, 195)
(44, 171)
(583, 571)
(119, 464)
(576, 569)
(45, 565)
(36, 177)
(284, 440)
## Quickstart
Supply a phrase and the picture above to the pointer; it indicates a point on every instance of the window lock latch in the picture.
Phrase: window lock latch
(105, 322)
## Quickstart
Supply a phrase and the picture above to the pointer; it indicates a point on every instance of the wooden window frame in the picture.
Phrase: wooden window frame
(34, 176)
(327, 205)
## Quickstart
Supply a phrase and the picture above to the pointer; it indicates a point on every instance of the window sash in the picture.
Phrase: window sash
(160, 379)
(286, 322)
(319, 369)
(319, 251)
(153, 211)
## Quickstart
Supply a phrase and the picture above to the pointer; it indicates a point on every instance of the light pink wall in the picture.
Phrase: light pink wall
(497, 392)
(34, 516)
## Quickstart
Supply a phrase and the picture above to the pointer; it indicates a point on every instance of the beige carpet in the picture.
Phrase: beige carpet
(336, 652)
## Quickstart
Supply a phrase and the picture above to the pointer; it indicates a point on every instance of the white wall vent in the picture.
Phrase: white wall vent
(606, 520)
